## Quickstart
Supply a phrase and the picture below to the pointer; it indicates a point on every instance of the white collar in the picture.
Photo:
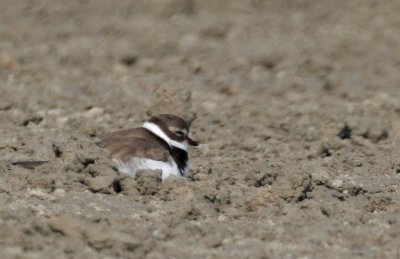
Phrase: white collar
(155, 129)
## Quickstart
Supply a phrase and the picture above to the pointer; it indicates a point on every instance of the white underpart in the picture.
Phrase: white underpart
(137, 163)
(168, 168)
(157, 131)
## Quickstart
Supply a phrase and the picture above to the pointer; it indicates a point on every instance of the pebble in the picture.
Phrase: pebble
(93, 112)
(59, 192)
(337, 183)
(222, 218)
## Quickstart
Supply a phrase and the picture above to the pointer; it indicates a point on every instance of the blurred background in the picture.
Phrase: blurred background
(296, 105)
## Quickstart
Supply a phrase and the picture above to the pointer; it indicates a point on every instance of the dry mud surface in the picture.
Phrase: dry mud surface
(298, 113)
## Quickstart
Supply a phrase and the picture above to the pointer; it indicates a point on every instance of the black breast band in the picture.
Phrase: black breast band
(180, 156)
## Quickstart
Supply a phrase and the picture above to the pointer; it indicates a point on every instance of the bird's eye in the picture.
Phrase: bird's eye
(179, 133)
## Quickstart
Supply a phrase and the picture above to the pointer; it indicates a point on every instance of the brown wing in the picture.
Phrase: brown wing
(126, 133)
(125, 144)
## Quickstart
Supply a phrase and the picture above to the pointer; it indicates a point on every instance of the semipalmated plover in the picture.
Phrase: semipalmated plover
(161, 143)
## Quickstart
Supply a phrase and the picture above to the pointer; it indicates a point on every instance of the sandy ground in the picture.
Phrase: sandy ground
(297, 107)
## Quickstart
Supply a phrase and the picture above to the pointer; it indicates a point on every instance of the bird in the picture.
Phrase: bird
(162, 142)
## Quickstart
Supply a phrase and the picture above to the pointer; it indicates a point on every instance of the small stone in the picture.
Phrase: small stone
(222, 218)
(94, 112)
(337, 183)
(59, 192)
